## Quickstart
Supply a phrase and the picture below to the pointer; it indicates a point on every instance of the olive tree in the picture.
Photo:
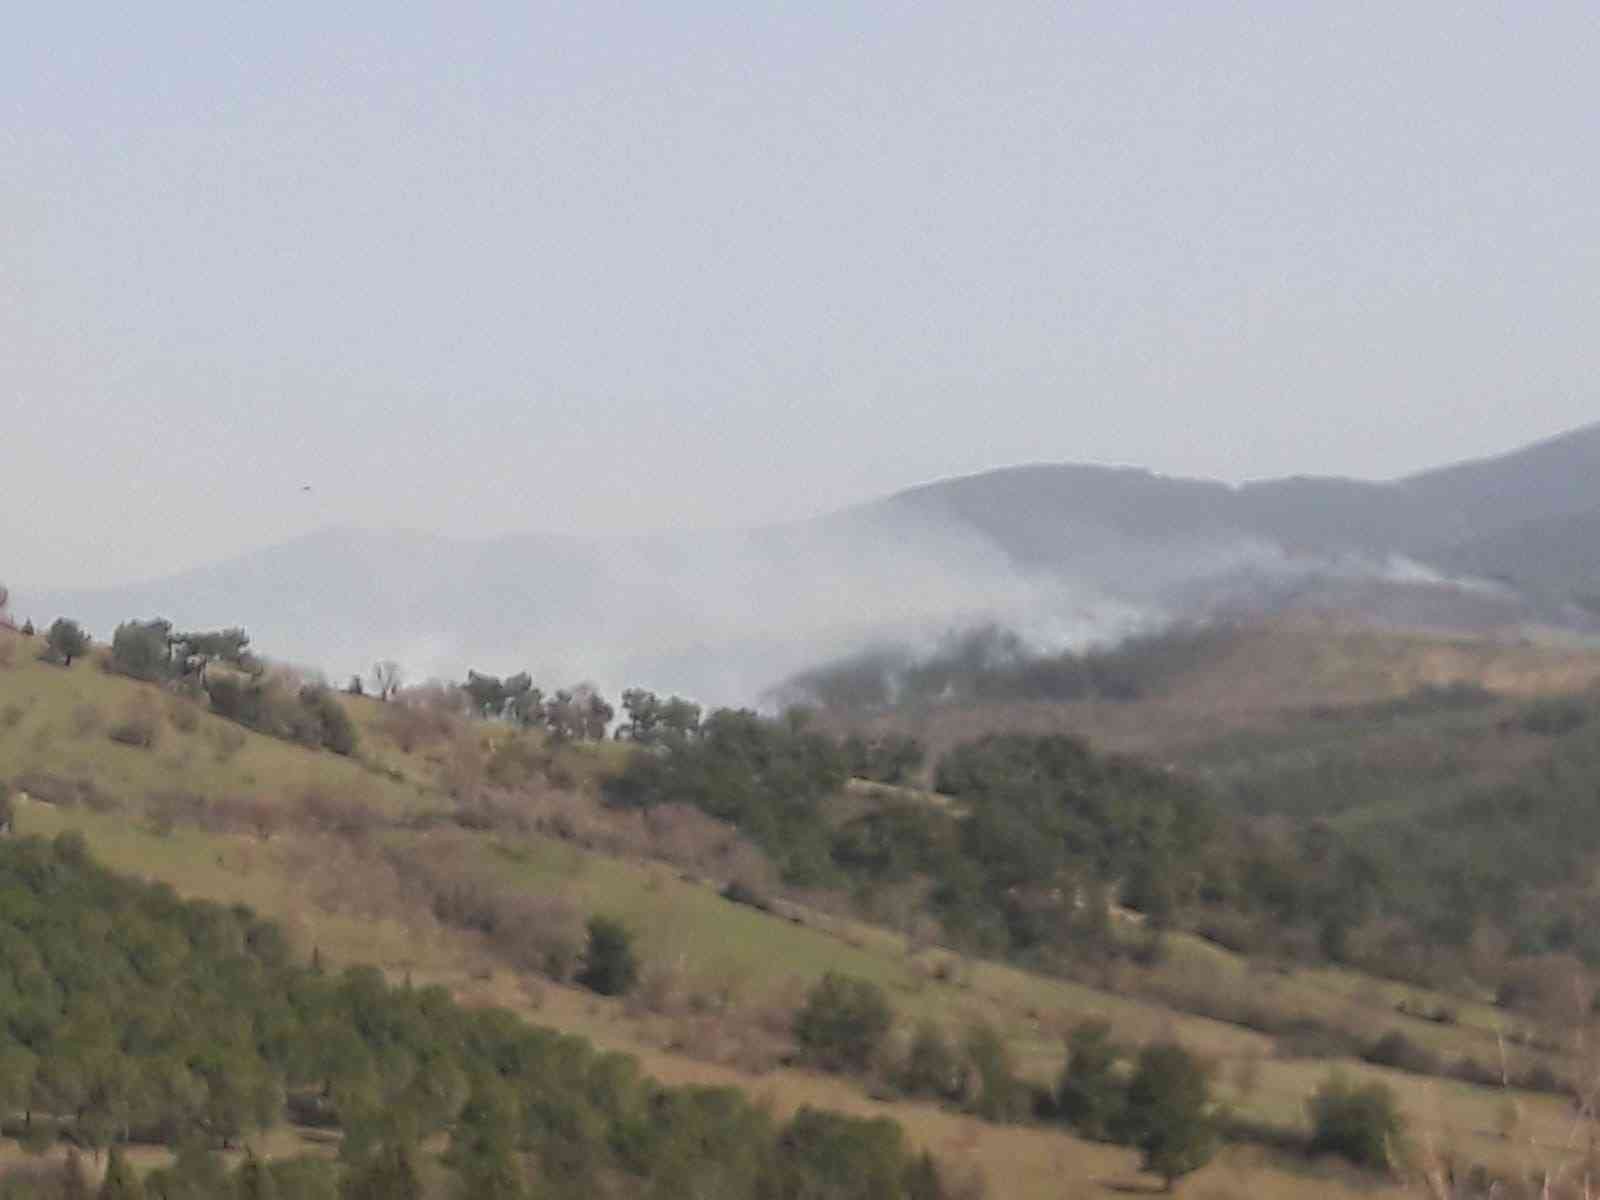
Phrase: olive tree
(66, 641)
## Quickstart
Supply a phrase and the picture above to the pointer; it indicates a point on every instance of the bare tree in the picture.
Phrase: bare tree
(386, 678)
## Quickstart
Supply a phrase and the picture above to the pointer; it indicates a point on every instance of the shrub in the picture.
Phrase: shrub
(931, 1067)
(1360, 1123)
(227, 741)
(335, 730)
(739, 892)
(1553, 716)
(165, 811)
(87, 719)
(1395, 1049)
(843, 1023)
(139, 727)
(333, 812)
(185, 717)
(610, 966)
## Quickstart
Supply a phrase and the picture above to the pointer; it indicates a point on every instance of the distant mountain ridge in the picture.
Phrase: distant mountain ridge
(1065, 553)
(1420, 515)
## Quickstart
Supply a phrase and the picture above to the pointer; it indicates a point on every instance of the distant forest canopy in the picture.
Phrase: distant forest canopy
(988, 662)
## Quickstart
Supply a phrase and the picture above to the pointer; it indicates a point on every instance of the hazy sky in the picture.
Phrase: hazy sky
(594, 268)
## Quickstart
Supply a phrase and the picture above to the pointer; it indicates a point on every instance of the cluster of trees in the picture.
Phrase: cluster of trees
(991, 663)
(155, 652)
(1458, 869)
(1158, 1099)
(1043, 834)
(1022, 864)
(129, 1015)
(580, 713)
(219, 666)
(1161, 1102)
(571, 714)
(307, 713)
(886, 758)
(766, 777)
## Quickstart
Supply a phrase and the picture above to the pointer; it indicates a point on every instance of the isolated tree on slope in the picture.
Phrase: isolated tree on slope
(67, 641)
(1168, 1113)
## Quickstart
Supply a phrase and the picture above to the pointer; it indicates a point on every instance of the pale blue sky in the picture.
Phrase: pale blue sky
(603, 267)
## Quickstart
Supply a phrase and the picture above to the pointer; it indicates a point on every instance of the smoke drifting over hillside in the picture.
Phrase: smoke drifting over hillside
(1068, 558)
(723, 618)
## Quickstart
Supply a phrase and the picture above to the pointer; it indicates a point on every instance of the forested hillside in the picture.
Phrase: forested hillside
(130, 1015)
(822, 911)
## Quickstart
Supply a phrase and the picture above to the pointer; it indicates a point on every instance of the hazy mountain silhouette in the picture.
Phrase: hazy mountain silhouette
(1065, 553)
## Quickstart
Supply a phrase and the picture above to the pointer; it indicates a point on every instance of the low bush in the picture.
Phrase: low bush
(1361, 1123)
(1395, 1049)
(139, 727)
(739, 892)
(87, 719)
(843, 1023)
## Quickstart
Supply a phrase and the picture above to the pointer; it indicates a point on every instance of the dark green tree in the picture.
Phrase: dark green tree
(610, 966)
(843, 1023)
(143, 649)
(1090, 1096)
(643, 710)
(826, 1154)
(931, 1067)
(1169, 1113)
(1360, 1123)
(66, 641)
